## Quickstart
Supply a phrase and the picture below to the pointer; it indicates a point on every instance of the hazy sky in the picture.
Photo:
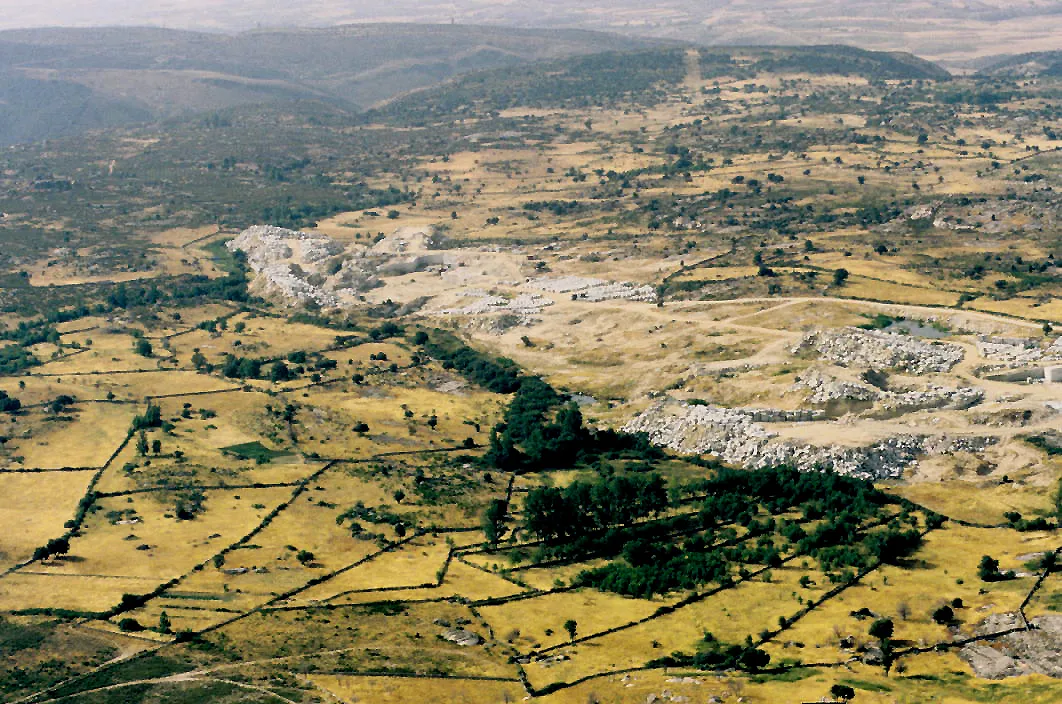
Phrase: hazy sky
(635, 15)
(219, 14)
(952, 31)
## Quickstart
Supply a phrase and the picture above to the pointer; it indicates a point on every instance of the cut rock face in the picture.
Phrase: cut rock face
(284, 260)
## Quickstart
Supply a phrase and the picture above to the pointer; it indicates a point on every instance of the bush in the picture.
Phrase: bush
(842, 692)
(943, 615)
(988, 570)
(130, 625)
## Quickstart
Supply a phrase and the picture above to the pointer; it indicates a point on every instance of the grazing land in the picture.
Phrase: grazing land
(669, 375)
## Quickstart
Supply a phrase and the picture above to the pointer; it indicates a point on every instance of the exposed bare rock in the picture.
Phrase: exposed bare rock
(933, 397)
(284, 260)
(462, 637)
(595, 290)
(484, 303)
(1017, 351)
(1037, 651)
(302, 267)
(854, 347)
(735, 437)
(826, 390)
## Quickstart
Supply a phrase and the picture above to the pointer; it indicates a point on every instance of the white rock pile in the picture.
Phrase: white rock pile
(1017, 351)
(525, 304)
(854, 347)
(826, 390)
(298, 266)
(594, 290)
(266, 245)
(734, 437)
(933, 397)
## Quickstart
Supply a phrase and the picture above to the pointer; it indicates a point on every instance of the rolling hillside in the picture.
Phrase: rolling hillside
(609, 77)
(62, 81)
(1044, 63)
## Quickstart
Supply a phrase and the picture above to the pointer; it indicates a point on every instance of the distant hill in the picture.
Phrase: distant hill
(599, 79)
(1043, 63)
(951, 32)
(827, 59)
(56, 82)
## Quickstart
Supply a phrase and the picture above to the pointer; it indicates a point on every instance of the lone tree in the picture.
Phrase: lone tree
(840, 276)
(943, 615)
(842, 692)
(988, 570)
(571, 627)
(142, 347)
(882, 629)
(494, 520)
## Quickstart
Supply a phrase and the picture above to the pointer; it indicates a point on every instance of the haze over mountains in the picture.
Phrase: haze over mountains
(955, 33)
(55, 82)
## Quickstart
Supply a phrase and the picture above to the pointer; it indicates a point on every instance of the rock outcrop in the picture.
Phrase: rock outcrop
(523, 305)
(1023, 652)
(302, 267)
(284, 260)
(462, 637)
(825, 390)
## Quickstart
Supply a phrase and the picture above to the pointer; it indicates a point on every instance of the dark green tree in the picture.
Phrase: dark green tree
(494, 520)
(882, 629)
(943, 615)
(142, 347)
(842, 692)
